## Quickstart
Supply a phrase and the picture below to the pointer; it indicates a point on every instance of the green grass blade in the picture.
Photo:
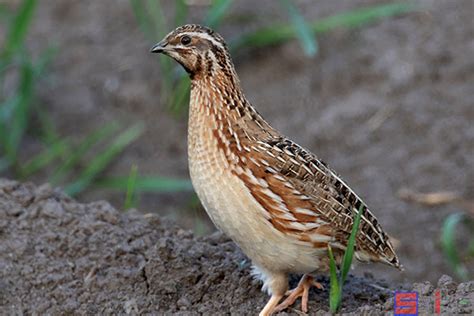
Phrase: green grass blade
(360, 17)
(44, 60)
(7, 110)
(149, 15)
(48, 131)
(448, 243)
(303, 31)
(4, 164)
(335, 292)
(55, 147)
(155, 10)
(5, 13)
(349, 253)
(335, 287)
(181, 12)
(75, 156)
(102, 160)
(279, 33)
(470, 248)
(217, 12)
(142, 17)
(146, 184)
(21, 112)
(44, 158)
(130, 196)
(160, 29)
(18, 29)
(179, 99)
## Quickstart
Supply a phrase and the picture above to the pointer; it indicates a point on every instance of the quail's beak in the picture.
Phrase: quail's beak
(160, 47)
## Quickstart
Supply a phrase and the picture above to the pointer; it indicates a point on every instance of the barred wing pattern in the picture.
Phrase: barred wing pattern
(305, 199)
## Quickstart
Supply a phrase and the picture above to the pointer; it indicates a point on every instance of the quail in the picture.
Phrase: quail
(276, 200)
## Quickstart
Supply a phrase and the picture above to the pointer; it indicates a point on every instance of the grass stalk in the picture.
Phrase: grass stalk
(102, 160)
(448, 242)
(131, 194)
(337, 280)
(279, 33)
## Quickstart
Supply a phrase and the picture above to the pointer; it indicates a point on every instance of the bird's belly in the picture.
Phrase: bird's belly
(235, 212)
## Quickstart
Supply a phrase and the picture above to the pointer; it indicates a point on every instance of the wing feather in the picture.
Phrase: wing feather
(328, 201)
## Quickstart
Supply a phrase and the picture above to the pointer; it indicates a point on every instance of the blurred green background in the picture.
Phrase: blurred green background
(85, 107)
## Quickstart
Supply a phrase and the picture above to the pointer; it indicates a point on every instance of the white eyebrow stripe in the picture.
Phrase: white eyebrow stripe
(205, 36)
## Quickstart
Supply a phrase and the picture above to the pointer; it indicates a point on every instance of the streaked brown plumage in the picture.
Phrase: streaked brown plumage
(278, 201)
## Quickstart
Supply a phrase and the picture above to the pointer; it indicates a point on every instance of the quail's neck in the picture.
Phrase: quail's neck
(220, 97)
(218, 89)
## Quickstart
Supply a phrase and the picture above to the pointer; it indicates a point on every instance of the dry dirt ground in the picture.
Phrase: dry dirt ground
(388, 106)
(58, 256)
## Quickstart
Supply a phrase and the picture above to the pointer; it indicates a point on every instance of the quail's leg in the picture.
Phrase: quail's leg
(276, 283)
(301, 290)
(270, 306)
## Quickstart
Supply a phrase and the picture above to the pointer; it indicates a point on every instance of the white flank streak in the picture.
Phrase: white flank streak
(307, 169)
(256, 149)
(304, 211)
(280, 178)
(258, 123)
(239, 170)
(263, 183)
(272, 195)
(264, 145)
(252, 178)
(314, 165)
(289, 153)
(237, 141)
(280, 159)
(288, 185)
(271, 170)
(288, 216)
(300, 226)
(263, 161)
(310, 226)
(292, 160)
(319, 238)
(254, 161)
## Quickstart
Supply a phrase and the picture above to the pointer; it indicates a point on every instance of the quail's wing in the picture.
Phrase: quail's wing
(304, 198)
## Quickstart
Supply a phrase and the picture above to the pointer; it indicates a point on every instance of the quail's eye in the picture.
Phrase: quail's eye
(185, 40)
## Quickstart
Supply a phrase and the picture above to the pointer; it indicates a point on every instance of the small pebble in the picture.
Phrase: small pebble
(425, 288)
(183, 303)
(447, 283)
(131, 307)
